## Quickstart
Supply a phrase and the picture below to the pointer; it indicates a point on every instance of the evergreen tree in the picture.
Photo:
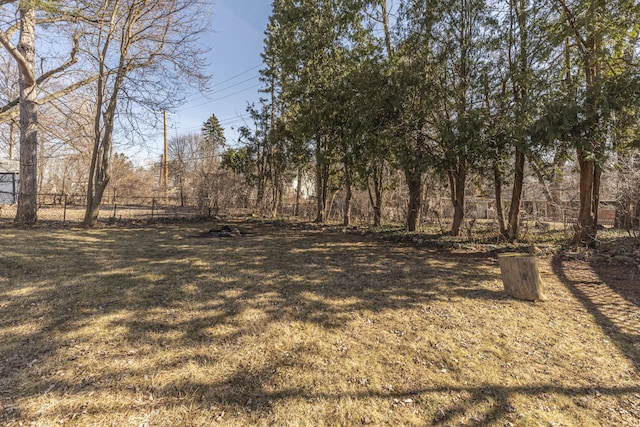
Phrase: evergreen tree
(600, 41)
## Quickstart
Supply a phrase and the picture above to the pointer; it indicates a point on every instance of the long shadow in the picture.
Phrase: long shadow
(622, 279)
(247, 391)
(614, 311)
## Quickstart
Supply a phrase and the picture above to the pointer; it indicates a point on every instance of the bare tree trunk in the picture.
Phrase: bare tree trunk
(319, 192)
(585, 228)
(99, 175)
(296, 211)
(348, 195)
(375, 198)
(28, 187)
(513, 226)
(322, 182)
(414, 183)
(457, 181)
(497, 185)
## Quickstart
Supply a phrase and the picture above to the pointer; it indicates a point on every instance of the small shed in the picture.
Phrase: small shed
(9, 171)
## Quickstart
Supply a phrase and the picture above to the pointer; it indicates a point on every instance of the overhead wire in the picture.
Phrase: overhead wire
(204, 94)
(221, 98)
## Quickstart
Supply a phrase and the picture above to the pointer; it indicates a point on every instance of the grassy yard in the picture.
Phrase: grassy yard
(160, 326)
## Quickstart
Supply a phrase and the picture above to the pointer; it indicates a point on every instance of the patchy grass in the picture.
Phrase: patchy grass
(161, 326)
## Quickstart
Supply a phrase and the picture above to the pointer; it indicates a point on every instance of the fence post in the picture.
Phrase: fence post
(64, 211)
(153, 207)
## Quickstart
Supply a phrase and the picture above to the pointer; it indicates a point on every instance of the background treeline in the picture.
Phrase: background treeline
(391, 102)
(81, 76)
(455, 94)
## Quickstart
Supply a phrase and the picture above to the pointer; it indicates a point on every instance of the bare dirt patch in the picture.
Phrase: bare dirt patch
(280, 326)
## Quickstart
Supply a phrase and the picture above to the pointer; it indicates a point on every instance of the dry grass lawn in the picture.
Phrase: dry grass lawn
(157, 326)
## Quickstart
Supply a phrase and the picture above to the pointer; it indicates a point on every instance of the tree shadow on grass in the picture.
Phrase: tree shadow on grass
(250, 391)
(167, 291)
(613, 304)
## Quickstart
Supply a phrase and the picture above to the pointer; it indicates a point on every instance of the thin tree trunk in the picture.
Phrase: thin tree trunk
(298, 193)
(586, 227)
(457, 180)
(497, 185)
(513, 226)
(99, 175)
(348, 195)
(414, 183)
(319, 192)
(322, 182)
(375, 196)
(386, 27)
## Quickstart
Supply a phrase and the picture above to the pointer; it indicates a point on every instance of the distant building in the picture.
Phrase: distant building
(9, 170)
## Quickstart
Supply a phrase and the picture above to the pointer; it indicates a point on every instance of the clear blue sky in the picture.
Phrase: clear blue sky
(236, 41)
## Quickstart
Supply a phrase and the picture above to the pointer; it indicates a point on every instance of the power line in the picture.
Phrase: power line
(240, 74)
(217, 91)
(201, 95)
(221, 98)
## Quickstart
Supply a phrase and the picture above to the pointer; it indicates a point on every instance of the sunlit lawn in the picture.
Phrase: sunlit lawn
(160, 326)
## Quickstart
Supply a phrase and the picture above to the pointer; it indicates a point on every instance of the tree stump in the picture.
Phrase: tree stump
(521, 277)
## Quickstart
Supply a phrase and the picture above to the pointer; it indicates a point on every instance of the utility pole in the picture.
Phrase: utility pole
(165, 162)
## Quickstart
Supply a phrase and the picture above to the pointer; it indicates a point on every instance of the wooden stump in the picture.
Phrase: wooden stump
(521, 277)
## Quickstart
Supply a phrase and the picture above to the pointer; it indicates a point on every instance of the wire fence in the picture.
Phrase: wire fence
(70, 209)
(436, 212)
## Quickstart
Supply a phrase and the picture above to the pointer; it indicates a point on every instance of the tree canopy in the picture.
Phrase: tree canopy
(444, 89)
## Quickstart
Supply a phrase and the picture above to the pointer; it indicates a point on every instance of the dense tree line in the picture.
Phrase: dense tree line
(357, 89)
(358, 95)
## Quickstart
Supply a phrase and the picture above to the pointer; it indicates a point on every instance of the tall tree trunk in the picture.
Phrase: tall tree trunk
(513, 226)
(99, 175)
(590, 172)
(585, 228)
(375, 198)
(276, 195)
(104, 121)
(94, 200)
(296, 211)
(457, 181)
(28, 187)
(322, 182)
(414, 183)
(348, 195)
(386, 27)
(319, 193)
(497, 185)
